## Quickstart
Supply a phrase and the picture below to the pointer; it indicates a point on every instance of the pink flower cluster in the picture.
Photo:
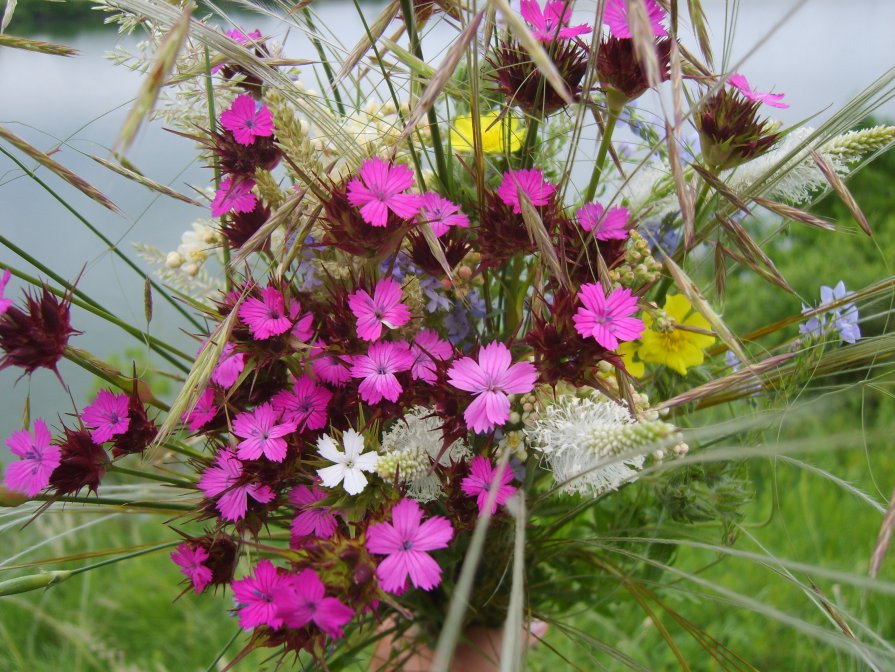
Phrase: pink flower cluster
(276, 598)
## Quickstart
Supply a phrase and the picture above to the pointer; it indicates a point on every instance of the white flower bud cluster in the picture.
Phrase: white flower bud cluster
(196, 246)
(593, 444)
(410, 449)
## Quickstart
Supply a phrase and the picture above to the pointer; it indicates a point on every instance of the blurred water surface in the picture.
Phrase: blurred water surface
(820, 57)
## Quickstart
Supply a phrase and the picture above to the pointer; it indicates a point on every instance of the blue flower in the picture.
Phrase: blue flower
(844, 319)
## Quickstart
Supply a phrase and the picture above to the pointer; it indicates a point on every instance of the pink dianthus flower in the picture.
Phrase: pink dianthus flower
(247, 120)
(107, 416)
(406, 542)
(304, 601)
(616, 17)
(222, 480)
(426, 348)
(740, 83)
(311, 519)
(4, 303)
(261, 434)
(232, 197)
(203, 412)
(333, 369)
(39, 460)
(258, 596)
(305, 404)
(530, 182)
(381, 188)
(190, 561)
(378, 368)
(441, 214)
(606, 318)
(230, 366)
(270, 316)
(491, 379)
(556, 15)
(384, 308)
(482, 479)
(606, 225)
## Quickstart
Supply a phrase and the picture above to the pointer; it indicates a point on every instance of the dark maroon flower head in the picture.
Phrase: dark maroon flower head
(454, 243)
(141, 431)
(521, 81)
(730, 130)
(337, 323)
(560, 353)
(223, 555)
(238, 227)
(37, 336)
(621, 76)
(578, 249)
(238, 159)
(503, 234)
(246, 80)
(83, 463)
(345, 229)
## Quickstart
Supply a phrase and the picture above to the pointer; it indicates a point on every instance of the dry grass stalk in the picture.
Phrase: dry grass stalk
(155, 79)
(58, 169)
(831, 176)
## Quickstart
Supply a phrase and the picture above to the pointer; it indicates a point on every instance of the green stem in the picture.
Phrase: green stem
(126, 556)
(212, 124)
(92, 306)
(416, 47)
(601, 156)
(528, 146)
(122, 383)
(486, 295)
(107, 501)
(327, 68)
(112, 247)
(153, 477)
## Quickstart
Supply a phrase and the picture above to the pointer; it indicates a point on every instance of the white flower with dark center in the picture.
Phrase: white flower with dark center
(593, 445)
(349, 466)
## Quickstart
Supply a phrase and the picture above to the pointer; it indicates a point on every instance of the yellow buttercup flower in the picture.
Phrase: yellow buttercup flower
(675, 348)
(627, 351)
(494, 133)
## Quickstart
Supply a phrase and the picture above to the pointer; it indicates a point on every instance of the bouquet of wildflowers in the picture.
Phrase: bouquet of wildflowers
(454, 324)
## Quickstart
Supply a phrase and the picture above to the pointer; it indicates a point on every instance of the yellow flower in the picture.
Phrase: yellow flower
(627, 351)
(493, 134)
(676, 348)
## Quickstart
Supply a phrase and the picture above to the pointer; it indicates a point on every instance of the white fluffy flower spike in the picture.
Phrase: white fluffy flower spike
(349, 466)
(593, 445)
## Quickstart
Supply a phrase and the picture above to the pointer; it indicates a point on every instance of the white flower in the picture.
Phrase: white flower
(593, 444)
(349, 466)
(410, 449)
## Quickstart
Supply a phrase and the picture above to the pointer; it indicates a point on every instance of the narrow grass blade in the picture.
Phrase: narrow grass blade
(7, 14)
(884, 538)
(145, 181)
